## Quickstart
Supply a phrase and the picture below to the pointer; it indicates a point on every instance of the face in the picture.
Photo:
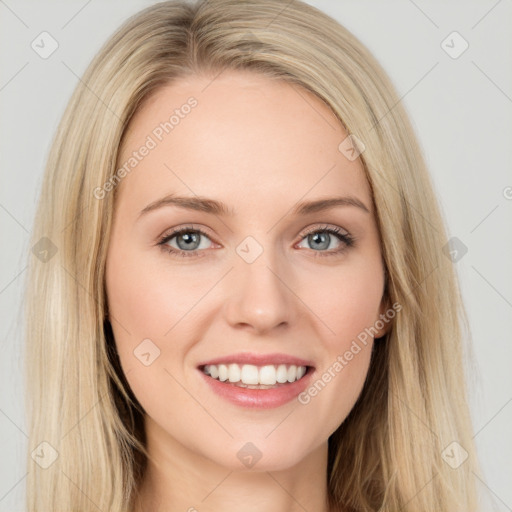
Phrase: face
(256, 285)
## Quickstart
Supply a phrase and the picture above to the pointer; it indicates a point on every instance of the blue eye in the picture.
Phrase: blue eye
(322, 239)
(188, 241)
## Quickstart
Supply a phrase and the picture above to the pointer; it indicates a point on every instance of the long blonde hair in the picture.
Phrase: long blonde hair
(389, 454)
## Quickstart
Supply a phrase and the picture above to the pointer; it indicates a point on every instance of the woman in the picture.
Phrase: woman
(190, 345)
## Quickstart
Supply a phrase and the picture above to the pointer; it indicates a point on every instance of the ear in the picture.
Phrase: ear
(384, 321)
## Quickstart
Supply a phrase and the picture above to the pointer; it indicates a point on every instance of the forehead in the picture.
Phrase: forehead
(240, 137)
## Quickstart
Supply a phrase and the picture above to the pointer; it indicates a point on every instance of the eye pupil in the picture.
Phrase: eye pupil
(188, 241)
(316, 236)
(190, 238)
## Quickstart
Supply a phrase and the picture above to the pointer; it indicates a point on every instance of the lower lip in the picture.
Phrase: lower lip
(259, 398)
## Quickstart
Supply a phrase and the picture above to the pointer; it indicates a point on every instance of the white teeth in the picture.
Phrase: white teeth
(223, 372)
(282, 374)
(233, 373)
(251, 375)
(267, 375)
(214, 371)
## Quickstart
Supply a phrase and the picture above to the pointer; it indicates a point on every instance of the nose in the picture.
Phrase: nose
(260, 297)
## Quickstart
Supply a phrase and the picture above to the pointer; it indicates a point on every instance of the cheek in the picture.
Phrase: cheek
(137, 309)
(144, 307)
(143, 299)
(348, 313)
(346, 300)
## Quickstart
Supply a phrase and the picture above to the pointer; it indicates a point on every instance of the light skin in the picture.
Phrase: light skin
(261, 147)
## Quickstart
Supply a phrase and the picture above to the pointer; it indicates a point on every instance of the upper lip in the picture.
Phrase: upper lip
(258, 359)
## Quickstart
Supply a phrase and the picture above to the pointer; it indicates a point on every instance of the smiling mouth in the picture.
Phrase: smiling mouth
(256, 377)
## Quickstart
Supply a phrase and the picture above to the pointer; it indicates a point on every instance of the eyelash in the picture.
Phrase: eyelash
(345, 238)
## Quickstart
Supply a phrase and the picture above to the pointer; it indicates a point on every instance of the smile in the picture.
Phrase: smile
(255, 377)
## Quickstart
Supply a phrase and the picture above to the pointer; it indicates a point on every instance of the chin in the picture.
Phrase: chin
(260, 454)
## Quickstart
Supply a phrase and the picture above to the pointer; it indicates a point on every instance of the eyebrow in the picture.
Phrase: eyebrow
(214, 207)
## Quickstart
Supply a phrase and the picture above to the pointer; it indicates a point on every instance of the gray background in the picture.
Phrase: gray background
(461, 109)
